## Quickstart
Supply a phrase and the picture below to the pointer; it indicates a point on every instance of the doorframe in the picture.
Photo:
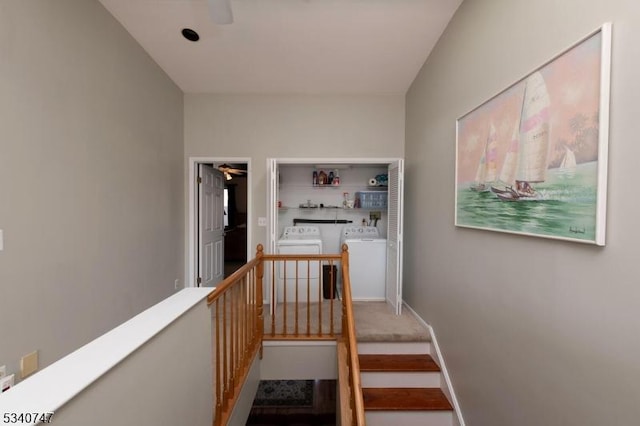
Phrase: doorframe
(272, 212)
(192, 225)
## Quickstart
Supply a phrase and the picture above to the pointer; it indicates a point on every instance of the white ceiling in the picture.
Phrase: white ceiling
(289, 46)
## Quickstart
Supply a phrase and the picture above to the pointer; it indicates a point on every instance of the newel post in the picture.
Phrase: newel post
(344, 255)
(259, 287)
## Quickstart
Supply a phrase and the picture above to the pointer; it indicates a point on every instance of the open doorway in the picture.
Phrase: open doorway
(235, 215)
(354, 176)
(232, 177)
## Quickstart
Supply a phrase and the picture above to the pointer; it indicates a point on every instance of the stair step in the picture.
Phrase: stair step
(394, 347)
(410, 418)
(400, 379)
(397, 363)
(405, 399)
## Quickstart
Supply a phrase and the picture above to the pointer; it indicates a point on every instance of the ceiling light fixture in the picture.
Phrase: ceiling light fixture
(190, 34)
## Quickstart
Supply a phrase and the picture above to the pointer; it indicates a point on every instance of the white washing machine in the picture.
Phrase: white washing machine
(367, 262)
(299, 240)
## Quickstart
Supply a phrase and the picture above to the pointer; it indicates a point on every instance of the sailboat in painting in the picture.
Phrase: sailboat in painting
(569, 161)
(508, 172)
(533, 144)
(487, 168)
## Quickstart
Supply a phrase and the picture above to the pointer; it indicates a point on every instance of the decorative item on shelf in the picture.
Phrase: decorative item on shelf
(382, 179)
(346, 203)
(371, 199)
(379, 180)
(308, 205)
(325, 178)
(322, 178)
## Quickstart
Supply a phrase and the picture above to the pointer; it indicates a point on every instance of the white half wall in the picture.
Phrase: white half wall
(167, 381)
(555, 342)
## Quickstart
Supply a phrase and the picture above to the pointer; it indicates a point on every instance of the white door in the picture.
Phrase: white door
(272, 212)
(394, 236)
(210, 226)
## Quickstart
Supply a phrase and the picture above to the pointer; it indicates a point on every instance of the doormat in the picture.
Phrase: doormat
(284, 393)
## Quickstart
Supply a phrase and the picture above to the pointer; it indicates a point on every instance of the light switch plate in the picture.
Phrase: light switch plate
(29, 364)
(1, 240)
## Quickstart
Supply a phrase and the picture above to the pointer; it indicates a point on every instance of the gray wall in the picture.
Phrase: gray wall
(168, 381)
(291, 126)
(557, 342)
(91, 177)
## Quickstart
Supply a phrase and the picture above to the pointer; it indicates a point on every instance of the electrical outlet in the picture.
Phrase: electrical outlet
(29, 364)
(176, 284)
(6, 383)
(375, 215)
(262, 221)
(3, 370)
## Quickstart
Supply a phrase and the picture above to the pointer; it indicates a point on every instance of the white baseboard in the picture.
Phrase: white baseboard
(440, 360)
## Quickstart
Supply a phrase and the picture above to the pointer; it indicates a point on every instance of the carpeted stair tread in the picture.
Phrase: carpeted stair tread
(374, 321)
(377, 322)
(405, 399)
(397, 363)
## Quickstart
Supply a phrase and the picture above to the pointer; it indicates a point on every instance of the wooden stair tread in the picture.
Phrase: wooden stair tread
(397, 363)
(405, 399)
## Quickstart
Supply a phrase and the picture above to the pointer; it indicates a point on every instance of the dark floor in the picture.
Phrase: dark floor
(321, 413)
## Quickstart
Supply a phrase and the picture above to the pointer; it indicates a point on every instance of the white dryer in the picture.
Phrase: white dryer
(299, 240)
(367, 262)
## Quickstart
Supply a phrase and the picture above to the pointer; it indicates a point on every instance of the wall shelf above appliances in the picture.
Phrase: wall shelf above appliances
(326, 185)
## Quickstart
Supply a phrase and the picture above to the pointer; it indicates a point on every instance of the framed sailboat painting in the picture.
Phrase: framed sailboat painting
(532, 160)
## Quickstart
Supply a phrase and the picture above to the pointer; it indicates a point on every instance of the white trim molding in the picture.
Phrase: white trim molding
(443, 367)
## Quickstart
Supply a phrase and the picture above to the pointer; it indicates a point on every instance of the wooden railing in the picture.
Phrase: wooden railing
(349, 347)
(237, 314)
(297, 310)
